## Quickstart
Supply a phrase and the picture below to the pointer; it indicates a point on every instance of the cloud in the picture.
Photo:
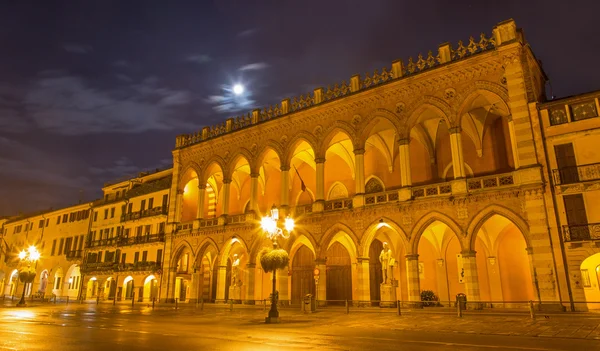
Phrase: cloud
(247, 32)
(123, 77)
(199, 59)
(254, 66)
(68, 105)
(121, 63)
(77, 48)
(121, 167)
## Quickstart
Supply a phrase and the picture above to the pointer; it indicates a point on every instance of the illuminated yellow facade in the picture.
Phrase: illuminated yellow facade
(449, 158)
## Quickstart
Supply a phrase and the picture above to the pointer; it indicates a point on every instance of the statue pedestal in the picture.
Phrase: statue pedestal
(235, 294)
(388, 295)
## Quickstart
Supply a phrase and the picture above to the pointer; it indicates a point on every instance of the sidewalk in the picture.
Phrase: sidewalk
(582, 325)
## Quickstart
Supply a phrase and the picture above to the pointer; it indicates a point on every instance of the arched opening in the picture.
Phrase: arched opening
(91, 290)
(214, 193)
(208, 286)
(183, 274)
(302, 173)
(339, 274)
(58, 282)
(150, 291)
(381, 149)
(269, 180)
(232, 280)
(190, 201)
(340, 163)
(303, 282)
(240, 186)
(72, 282)
(11, 286)
(110, 288)
(503, 265)
(375, 272)
(440, 262)
(128, 287)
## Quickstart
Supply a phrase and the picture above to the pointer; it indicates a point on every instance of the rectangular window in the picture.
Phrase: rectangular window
(57, 283)
(567, 165)
(143, 205)
(106, 198)
(159, 256)
(80, 242)
(65, 218)
(585, 277)
(583, 110)
(147, 229)
(75, 241)
(144, 256)
(136, 257)
(150, 203)
(129, 208)
(47, 221)
(118, 231)
(165, 200)
(161, 227)
(123, 257)
(41, 225)
(31, 226)
(60, 246)
(106, 213)
(100, 256)
(53, 248)
(576, 217)
(68, 243)
(95, 216)
(112, 212)
(72, 217)
(127, 233)
(58, 220)
(138, 231)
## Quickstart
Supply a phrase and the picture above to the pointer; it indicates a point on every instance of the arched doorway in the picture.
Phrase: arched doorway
(92, 288)
(11, 286)
(128, 287)
(110, 288)
(339, 274)
(150, 290)
(303, 281)
(375, 273)
(58, 282)
(590, 280)
(43, 282)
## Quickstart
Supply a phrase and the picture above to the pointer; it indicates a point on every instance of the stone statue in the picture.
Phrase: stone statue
(234, 270)
(385, 257)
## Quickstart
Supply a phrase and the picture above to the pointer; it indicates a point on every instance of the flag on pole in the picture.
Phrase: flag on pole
(302, 185)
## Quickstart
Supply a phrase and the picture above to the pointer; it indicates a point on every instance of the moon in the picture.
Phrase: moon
(238, 89)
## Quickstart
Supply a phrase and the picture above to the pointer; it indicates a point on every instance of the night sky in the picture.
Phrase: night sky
(91, 91)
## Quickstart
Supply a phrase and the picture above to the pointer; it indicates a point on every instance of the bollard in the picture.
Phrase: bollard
(132, 299)
(264, 304)
(55, 299)
(67, 299)
(97, 300)
(202, 304)
(230, 305)
(458, 308)
(347, 307)
(531, 310)
(399, 312)
(153, 301)
(114, 301)
(176, 303)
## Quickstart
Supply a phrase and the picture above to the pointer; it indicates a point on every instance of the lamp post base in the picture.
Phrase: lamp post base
(21, 304)
(272, 320)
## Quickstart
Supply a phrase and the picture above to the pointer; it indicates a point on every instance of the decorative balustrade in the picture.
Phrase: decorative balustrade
(379, 198)
(240, 218)
(446, 54)
(101, 243)
(303, 209)
(74, 254)
(481, 183)
(431, 190)
(156, 211)
(576, 174)
(141, 239)
(581, 232)
(185, 226)
(121, 267)
(340, 204)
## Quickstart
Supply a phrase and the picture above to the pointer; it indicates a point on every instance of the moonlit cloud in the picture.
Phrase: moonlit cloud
(247, 32)
(254, 66)
(77, 48)
(199, 59)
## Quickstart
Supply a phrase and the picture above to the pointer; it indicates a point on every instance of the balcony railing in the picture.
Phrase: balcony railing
(161, 210)
(379, 198)
(141, 239)
(494, 181)
(340, 204)
(303, 209)
(121, 267)
(581, 232)
(432, 190)
(74, 254)
(101, 243)
(576, 174)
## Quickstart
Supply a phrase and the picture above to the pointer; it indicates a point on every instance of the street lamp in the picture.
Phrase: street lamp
(26, 272)
(276, 258)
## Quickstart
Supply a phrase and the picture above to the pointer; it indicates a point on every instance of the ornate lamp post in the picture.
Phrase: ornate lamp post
(26, 272)
(275, 258)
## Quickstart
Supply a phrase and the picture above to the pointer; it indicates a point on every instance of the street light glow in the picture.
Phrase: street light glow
(22, 255)
(238, 89)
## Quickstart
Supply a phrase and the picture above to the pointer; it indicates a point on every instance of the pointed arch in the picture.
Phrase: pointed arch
(376, 225)
(299, 137)
(337, 191)
(304, 239)
(373, 119)
(270, 145)
(179, 251)
(467, 95)
(331, 131)
(437, 105)
(328, 238)
(241, 153)
(204, 246)
(491, 210)
(428, 219)
(372, 183)
(224, 254)
(186, 174)
(214, 160)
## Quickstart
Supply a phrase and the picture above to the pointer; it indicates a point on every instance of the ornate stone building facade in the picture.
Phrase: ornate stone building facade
(445, 158)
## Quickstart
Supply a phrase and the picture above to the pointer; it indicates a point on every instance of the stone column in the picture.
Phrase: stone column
(364, 283)
(201, 193)
(221, 281)
(412, 278)
(471, 279)
(404, 155)
(195, 287)
(282, 286)
(359, 165)
(318, 206)
(226, 193)
(458, 162)
(249, 283)
(285, 186)
(178, 205)
(253, 192)
(513, 142)
(322, 285)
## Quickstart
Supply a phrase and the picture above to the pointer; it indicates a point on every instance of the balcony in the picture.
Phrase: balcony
(576, 174)
(101, 243)
(74, 255)
(109, 267)
(156, 211)
(581, 232)
(141, 239)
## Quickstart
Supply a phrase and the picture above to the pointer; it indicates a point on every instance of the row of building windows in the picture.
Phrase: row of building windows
(118, 257)
(109, 233)
(110, 213)
(67, 245)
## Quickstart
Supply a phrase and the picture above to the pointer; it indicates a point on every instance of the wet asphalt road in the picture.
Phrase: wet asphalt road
(107, 328)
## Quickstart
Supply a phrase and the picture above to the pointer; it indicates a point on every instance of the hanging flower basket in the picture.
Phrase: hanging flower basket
(273, 259)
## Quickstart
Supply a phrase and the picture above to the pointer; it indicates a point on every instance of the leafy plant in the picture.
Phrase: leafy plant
(272, 259)
(429, 298)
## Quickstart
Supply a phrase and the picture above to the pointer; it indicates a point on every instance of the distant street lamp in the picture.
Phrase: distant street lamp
(275, 258)
(26, 271)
